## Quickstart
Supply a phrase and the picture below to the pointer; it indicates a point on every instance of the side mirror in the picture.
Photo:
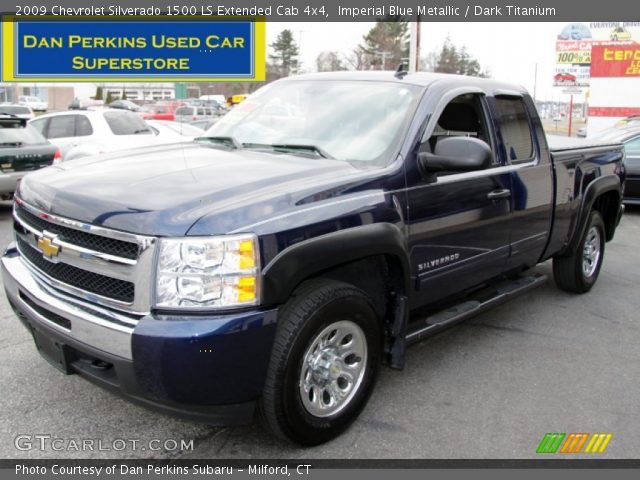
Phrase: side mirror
(456, 154)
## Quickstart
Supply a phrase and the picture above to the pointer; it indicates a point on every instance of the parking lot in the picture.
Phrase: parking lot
(490, 388)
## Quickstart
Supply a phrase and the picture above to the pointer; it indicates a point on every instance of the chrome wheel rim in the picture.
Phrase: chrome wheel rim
(591, 252)
(333, 368)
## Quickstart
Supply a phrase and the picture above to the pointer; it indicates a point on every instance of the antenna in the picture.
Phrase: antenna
(400, 72)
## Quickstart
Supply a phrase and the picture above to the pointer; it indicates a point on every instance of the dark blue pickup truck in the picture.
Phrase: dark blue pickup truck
(307, 238)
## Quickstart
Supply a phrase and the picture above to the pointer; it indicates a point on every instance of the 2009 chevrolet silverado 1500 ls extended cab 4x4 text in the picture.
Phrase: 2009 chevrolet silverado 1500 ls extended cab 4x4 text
(308, 237)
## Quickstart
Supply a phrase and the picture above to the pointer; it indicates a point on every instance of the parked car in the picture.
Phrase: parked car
(219, 99)
(236, 99)
(82, 133)
(629, 136)
(22, 150)
(85, 104)
(34, 103)
(564, 77)
(628, 121)
(157, 112)
(18, 111)
(125, 105)
(281, 265)
(189, 113)
(168, 132)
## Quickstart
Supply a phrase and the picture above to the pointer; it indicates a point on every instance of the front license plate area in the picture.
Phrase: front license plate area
(56, 353)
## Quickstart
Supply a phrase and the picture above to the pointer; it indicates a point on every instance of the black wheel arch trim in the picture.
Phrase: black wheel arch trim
(310, 257)
(593, 190)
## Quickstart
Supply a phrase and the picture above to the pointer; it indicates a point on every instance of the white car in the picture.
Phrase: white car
(82, 133)
(34, 103)
(169, 132)
(19, 111)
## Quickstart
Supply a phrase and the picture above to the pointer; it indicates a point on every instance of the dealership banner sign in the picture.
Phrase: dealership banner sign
(615, 61)
(132, 49)
(576, 43)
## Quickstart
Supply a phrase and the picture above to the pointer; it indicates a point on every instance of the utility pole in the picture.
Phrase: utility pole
(414, 45)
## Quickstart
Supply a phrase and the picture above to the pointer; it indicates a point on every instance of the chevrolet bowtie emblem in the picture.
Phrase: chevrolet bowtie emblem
(48, 249)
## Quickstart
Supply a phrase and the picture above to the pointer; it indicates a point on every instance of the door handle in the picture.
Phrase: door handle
(498, 194)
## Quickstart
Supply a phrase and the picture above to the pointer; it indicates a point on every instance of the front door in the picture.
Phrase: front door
(459, 223)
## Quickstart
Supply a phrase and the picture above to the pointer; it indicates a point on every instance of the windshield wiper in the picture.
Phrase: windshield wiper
(230, 142)
(141, 130)
(288, 147)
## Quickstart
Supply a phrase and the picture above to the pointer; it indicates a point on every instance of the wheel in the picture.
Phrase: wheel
(324, 362)
(578, 271)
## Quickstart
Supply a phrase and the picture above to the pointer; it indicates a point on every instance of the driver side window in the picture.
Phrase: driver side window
(464, 116)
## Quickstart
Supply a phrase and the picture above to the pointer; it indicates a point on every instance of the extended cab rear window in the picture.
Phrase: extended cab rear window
(126, 123)
(516, 133)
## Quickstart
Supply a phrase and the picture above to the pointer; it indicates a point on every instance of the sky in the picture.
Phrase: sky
(509, 50)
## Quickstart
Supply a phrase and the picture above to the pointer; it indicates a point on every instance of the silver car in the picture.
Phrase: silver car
(81, 133)
(190, 113)
(19, 111)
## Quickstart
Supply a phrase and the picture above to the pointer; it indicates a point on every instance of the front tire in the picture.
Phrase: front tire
(578, 271)
(324, 362)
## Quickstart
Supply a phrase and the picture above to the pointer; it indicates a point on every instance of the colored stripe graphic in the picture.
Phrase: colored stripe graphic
(550, 442)
(598, 443)
(574, 442)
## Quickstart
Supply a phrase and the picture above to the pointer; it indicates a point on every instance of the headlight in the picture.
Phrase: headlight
(216, 272)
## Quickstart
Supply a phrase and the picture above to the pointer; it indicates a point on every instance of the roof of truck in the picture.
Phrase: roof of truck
(423, 79)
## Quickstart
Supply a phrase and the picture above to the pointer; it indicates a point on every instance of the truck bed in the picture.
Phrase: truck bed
(559, 143)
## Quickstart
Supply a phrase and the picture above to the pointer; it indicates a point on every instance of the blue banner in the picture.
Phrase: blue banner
(36, 50)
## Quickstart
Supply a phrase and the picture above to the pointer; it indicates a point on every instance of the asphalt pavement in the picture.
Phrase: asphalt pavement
(489, 388)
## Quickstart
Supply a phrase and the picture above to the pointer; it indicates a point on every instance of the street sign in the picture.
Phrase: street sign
(572, 91)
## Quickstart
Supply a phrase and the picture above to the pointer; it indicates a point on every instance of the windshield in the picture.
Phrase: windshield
(349, 120)
(15, 135)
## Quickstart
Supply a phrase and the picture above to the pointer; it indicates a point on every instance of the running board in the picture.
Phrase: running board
(462, 311)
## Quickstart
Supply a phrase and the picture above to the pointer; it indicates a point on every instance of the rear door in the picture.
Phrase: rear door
(522, 144)
(458, 222)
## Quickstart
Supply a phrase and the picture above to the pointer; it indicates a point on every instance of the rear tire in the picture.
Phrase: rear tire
(578, 271)
(324, 362)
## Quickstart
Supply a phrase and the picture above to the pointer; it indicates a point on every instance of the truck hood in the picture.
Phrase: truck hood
(165, 190)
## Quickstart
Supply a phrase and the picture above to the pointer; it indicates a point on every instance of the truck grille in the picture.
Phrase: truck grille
(76, 277)
(98, 243)
(97, 264)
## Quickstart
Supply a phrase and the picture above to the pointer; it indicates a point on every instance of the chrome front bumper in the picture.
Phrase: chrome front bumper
(96, 327)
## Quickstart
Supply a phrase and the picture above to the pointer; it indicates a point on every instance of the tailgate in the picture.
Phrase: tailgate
(24, 159)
